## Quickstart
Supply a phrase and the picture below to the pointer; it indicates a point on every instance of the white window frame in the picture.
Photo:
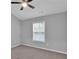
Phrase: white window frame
(39, 32)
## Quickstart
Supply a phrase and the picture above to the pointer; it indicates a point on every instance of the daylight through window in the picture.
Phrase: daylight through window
(39, 31)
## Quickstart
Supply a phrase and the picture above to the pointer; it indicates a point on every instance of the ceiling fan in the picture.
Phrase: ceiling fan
(24, 4)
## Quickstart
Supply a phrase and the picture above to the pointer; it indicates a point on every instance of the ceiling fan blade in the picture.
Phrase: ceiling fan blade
(21, 8)
(31, 6)
(23, 0)
(15, 2)
(29, 0)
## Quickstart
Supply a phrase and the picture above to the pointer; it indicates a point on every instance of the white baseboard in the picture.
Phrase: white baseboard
(30, 45)
(15, 45)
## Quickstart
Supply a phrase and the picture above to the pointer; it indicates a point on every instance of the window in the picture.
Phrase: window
(39, 31)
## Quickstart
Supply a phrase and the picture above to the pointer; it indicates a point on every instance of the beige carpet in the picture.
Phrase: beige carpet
(24, 52)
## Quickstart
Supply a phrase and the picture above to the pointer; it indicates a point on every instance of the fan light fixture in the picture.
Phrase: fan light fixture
(24, 4)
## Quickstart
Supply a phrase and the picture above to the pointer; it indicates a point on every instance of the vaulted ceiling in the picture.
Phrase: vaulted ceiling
(42, 8)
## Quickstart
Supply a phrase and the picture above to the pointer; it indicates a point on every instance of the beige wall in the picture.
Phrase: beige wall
(15, 31)
(55, 34)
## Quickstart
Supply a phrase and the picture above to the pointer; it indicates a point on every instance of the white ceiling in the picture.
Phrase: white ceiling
(42, 8)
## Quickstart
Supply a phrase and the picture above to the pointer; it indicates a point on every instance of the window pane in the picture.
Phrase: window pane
(39, 31)
(39, 27)
(38, 36)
